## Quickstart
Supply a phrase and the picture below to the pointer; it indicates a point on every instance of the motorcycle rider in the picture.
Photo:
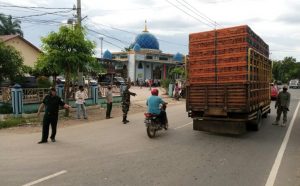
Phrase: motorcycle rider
(153, 103)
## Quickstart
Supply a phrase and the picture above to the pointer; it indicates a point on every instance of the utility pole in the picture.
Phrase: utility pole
(101, 39)
(80, 73)
(79, 13)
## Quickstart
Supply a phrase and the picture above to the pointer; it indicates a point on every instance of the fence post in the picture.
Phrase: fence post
(94, 95)
(60, 90)
(17, 100)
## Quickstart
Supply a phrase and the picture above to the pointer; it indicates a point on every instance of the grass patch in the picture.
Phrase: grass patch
(12, 122)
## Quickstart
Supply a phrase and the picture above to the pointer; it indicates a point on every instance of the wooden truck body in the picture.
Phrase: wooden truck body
(228, 80)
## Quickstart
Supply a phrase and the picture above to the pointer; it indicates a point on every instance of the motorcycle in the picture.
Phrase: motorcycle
(153, 123)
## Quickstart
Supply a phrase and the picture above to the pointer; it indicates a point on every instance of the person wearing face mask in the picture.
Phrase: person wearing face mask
(282, 105)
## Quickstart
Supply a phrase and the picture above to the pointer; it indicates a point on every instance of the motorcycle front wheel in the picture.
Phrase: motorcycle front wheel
(151, 131)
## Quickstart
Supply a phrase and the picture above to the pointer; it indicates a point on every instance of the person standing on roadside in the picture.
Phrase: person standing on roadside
(80, 97)
(109, 101)
(52, 103)
(126, 102)
(282, 104)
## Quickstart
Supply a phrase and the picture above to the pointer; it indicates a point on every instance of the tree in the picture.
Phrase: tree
(68, 50)
(177, 72)
(11, 62)
(9, 26)
(286, 69)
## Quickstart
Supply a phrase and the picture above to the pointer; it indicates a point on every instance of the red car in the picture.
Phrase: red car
(274, 91)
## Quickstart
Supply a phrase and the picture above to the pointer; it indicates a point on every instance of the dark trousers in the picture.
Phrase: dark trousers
(163, 117)
(279, 111)
(49, 120)
(125, 109)
(108, 109)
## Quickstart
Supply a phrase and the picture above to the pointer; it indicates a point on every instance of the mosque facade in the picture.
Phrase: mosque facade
(144, 60)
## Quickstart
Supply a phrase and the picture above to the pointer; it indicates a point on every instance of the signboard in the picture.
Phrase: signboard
(139, 57)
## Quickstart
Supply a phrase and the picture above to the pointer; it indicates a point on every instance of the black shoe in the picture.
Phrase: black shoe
(42, 142)
(125, 122)
(53, 140)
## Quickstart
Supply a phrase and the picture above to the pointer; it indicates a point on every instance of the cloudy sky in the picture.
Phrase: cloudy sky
(119, 21)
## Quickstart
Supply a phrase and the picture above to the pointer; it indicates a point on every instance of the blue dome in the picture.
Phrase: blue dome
(107, 55)
(137, 47)
(147, 40)
(178, 57)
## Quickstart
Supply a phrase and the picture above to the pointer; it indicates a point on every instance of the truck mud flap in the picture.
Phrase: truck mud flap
(219, 126)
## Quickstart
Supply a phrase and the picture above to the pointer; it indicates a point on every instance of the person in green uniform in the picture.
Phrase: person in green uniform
(126, 102)
(282, 104)
(51, 103)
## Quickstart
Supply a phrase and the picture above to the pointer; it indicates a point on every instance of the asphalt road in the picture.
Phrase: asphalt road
(108, 152)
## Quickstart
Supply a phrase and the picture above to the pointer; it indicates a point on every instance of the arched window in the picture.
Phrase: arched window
(140, 66)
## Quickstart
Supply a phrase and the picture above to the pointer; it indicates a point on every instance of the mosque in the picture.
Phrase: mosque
(144, 60)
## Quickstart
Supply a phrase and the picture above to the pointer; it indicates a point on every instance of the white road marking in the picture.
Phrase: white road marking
(45, 178)
(274, 170)
(183, 126)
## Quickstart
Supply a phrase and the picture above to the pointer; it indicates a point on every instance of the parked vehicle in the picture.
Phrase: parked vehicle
(60, 80)
(228, 80)
(294, 83)
(28, 82)
(106, 80)
(119, 81)
(90, 81)
(25, 82)
(153, 123)
(274, 91)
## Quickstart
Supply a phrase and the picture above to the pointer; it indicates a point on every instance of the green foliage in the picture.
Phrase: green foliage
(177, 72)
(165, 83)
(6, 108)
(43, 82)
(9, 26)
(11, 62)
(12, 122)
(67, 51)
(286, 69)
(27, 69)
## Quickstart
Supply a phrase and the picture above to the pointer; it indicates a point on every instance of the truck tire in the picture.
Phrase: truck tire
(258, 121)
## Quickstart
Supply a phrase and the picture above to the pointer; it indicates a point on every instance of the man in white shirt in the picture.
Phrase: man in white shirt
(80, 97)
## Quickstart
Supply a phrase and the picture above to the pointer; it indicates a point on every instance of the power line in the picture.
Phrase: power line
(48, 13)
(189, 14)
(3, 4)
(134, 33)
(111, 37)
(196, 11)
(107, 41)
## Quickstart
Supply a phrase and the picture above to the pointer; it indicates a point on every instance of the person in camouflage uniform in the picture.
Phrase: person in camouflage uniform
(126, 102)
(282, 104)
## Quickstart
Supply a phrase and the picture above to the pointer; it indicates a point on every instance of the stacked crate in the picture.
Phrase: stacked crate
(222, 55)
(228, 69)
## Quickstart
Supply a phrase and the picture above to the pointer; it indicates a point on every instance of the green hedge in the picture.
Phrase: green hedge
(6, 108)
(12, 122)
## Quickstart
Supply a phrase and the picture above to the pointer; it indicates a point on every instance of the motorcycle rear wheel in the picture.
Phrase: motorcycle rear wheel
(151, 131)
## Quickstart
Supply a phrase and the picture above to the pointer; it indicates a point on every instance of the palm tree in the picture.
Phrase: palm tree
(9, 26)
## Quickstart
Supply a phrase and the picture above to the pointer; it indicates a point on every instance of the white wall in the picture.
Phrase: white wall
(131, 67)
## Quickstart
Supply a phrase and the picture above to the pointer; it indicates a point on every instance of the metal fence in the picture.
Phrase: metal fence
(5, 94)
(35, 95)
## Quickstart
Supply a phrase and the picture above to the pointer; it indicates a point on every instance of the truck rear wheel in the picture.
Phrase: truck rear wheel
(256, 123)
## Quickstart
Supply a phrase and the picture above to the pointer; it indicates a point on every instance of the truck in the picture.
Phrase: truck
(294, 83)
(228, 80)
